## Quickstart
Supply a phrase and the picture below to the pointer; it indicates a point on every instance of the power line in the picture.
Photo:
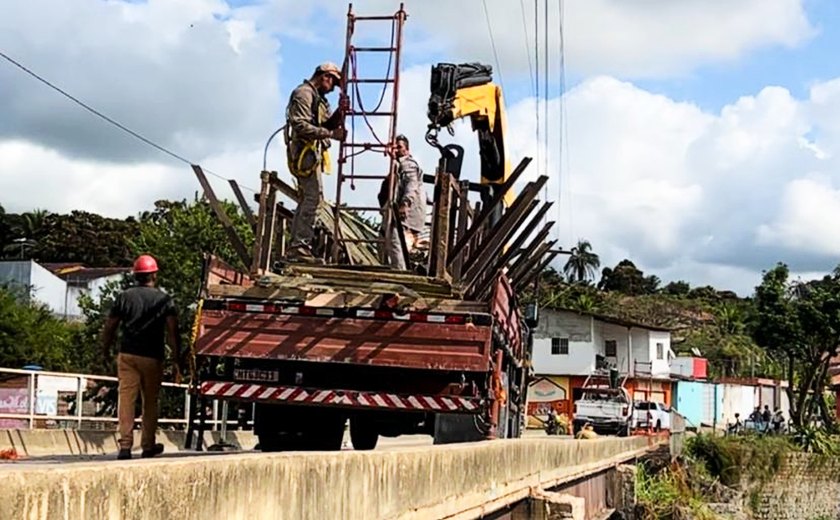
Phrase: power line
(564, 138)
(527, 48)
(545, 105)
(106, 118)
(493, 44)
(537, 77)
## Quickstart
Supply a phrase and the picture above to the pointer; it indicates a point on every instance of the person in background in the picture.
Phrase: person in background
(145, 314)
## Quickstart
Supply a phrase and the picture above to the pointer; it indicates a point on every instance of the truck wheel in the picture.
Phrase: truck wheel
(363, 434)
(270, 442)
(326, 435)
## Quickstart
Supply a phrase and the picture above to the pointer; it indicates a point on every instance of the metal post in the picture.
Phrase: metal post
(31, 400)
(79, 402)
(224, 420)
(215, 414)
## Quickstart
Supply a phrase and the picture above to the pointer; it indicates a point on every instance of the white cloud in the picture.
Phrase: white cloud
(685, 193)
(181, 73)
(631, 39)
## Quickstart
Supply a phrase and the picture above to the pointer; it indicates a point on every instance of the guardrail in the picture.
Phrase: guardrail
(42, 399)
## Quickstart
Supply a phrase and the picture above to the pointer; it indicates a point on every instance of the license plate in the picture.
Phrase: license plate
(253, 374)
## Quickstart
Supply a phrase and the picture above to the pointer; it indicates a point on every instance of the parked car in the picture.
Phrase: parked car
(608, 410)
(649, 414)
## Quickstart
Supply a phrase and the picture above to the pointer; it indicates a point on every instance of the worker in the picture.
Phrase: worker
(309, 128)
(587, 432)
(143, 313)
(411, 202)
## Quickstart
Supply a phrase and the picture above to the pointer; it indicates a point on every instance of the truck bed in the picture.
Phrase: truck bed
(242, 328)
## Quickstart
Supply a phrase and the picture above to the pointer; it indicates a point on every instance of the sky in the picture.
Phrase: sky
(698, 138)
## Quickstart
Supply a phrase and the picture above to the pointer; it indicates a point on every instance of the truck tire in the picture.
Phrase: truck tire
(325, 435)
(452, 428)
(363, 434)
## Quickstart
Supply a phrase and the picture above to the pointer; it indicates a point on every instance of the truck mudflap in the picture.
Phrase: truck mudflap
(296, 395)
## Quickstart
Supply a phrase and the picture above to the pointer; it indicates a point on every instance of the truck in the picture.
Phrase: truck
(441, 348)
(605, 405)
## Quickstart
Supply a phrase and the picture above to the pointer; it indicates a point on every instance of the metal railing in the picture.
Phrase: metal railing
(31, 401)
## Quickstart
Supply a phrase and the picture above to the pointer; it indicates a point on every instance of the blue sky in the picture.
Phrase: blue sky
(713, 86)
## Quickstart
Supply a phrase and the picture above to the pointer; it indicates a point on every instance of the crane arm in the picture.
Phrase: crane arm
(467, 90)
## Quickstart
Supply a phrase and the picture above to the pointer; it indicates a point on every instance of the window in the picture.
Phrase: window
(559, 346)
(610, 348)
(660, 351)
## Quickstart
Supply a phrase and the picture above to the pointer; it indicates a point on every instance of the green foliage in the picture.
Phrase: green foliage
(30, 334)
(627, 279)
(816, 440)
(669, 494)
(732, 458)
(800, 322)
(582, 263)
(178, 234)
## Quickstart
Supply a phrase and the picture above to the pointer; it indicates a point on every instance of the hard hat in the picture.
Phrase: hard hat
(329, 68)
(145, 264)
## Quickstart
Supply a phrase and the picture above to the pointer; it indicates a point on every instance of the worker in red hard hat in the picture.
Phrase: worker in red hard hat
(145, 315)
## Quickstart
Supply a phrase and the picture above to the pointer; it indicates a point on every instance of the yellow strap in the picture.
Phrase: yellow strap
(326, 167)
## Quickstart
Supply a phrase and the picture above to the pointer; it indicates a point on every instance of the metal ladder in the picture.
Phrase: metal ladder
(349, 148)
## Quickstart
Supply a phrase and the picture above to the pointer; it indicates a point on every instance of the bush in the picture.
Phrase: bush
(731, 459)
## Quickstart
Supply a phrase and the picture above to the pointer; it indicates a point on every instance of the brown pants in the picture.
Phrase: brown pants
(144, 375)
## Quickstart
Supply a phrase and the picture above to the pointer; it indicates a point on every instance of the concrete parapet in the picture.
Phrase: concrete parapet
(49, 443)
(453, 481)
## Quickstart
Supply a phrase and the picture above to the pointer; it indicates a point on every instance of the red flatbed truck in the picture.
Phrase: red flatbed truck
(445, 352)
(450, 368)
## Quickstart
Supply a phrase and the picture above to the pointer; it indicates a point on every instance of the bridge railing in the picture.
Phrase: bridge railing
(31, 399)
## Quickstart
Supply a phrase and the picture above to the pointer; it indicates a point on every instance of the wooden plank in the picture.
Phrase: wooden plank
(440, 228)
(243, 203)
(488, 210)
(227, 225)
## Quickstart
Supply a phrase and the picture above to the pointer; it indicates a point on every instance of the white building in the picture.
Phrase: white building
(571, 343)
(59, 286)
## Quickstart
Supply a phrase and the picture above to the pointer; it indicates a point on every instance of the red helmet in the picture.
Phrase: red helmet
(145, 264)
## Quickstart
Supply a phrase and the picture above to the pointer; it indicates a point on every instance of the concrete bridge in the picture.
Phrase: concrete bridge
(495, 479)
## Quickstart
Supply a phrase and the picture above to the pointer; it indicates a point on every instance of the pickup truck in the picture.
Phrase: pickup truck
(607, 410)
(649, 414)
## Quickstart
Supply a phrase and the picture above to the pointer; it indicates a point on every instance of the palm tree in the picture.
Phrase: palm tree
(582, 264)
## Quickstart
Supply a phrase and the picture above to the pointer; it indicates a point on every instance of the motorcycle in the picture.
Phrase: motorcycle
(553, 426)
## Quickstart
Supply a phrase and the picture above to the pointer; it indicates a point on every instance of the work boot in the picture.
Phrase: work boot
(124, 454)
(154, 451)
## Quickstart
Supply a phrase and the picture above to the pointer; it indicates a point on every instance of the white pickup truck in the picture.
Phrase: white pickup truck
(607, 410)
(653, 415)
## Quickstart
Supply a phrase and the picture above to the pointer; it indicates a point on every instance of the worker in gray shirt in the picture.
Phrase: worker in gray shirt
(309, 128)
(410, 197)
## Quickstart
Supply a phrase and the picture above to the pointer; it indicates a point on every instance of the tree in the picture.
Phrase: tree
(800, 323)
(30, 334)
(678, 288)
(626, 278)
(582, 264)
(87, 238)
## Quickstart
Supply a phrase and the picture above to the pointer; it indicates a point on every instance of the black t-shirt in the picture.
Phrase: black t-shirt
(142, 312)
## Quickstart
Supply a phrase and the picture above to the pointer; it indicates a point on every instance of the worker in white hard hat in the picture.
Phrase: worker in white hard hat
(309, 128)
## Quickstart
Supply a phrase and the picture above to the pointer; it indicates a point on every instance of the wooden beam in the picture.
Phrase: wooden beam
(488, 210)
(440, 227)
(224, 220)
(243, 203)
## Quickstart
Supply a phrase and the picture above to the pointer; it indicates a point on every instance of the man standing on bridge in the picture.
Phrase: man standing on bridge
(145, 313)
(309, 128)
